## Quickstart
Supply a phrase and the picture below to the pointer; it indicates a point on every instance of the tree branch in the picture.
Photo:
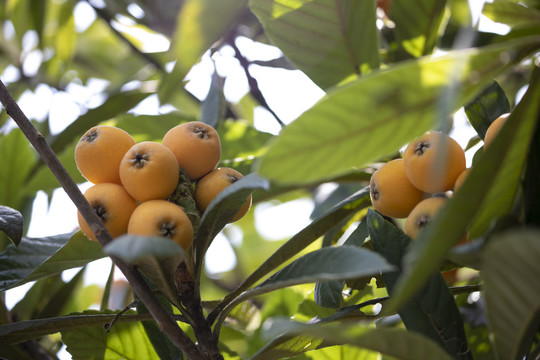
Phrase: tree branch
(164, 320)
(253, 84)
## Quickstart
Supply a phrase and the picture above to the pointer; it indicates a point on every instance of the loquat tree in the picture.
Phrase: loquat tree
(172, 129)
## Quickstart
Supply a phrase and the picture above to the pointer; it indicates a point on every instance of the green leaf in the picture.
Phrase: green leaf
(65, 38)
(162, 344)
(486, 107)
(59, 298)
(221, 210)
(326, 264)
(329, 293)
(509, 268)
(300, 241)
(37, 297)
(133, 248)
(18, 162)
(36, 258)
(200, 24)
(328, 40)
(11, 223)
(487, 194)
(416, 25)
(214, 105)
(431, 312)
(25, 330)
(156, 257)
(377, 114)
(240, 144)
(125, 340)
(398, 343)
(513, 14)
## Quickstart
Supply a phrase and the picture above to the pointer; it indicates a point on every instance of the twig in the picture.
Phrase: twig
(164, 320)
(253, 84)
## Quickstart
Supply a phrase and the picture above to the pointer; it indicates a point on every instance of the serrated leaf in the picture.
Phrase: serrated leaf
(11, 223)
(25, 330)
(431, 312)
(398, 343)
(221, 210)
(509, 267)
(374, 116)
(300, 241)
(486, 107)
(125, 340)
(487, 194)
(156, 257)
(416, 25)
(36, 258)
(328, 40)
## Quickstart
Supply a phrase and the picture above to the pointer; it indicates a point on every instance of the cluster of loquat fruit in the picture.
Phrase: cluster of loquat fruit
(133, 182)
(415, 186)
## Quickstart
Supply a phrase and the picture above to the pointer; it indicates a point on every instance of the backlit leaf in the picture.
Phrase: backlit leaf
(398, 343)
(379, 113)
(125, 340)
(328, 40)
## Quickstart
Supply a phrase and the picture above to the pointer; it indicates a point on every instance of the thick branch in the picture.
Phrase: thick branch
(162, 317)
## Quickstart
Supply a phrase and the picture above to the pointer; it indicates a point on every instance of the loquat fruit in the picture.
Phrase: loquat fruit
(99, 152)
(215, 182)
(392, 194)
(162, 218)
(433, 162)
(149, 171)
(494, 128)
(112, 204)
(461, 178)
(422, 214)
(196, 146)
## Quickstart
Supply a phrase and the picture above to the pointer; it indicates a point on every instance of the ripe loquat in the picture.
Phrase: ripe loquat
(422, 214)
(112, 204)
(149, 171)
(215, 182)
(162, 218)
(433, 162)
(461, 178)
(494, 128)
(99, 152)
(196, 146)
(392, 194)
